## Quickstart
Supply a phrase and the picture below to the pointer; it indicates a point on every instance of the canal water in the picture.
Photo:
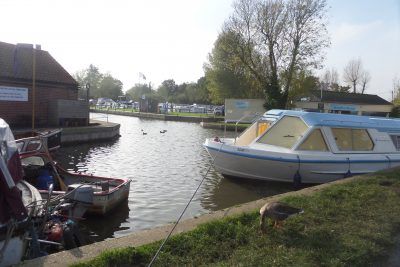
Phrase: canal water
(165, 170)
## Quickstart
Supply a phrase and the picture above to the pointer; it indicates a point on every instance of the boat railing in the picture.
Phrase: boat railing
(255, 116)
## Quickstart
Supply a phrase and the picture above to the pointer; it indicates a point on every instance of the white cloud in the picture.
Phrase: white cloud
(346, 32)
(163, 39)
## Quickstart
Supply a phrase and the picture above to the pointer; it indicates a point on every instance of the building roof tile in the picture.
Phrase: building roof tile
(16, 63)
(347, 98)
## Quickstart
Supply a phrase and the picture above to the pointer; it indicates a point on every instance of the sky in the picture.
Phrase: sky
(172, 39)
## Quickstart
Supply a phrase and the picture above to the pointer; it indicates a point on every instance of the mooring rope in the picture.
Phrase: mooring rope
(184, 210)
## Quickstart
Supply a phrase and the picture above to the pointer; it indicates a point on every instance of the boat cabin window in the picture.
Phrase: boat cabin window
(396, 141)
(352, 139)
(315, 142)
(285, 133)
(33, 145)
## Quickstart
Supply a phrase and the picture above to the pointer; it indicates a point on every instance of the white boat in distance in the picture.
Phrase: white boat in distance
(308, 147)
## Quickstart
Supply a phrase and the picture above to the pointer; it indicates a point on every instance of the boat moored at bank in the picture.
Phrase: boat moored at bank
(308, 147)
(40, 170)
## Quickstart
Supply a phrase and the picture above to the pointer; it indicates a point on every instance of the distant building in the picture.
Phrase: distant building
(148, 105)
(344, 103)
(56, 92)
(243, 110)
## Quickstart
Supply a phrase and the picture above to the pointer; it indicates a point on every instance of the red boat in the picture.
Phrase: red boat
(40, 171)
(52, 137)
(14, 216)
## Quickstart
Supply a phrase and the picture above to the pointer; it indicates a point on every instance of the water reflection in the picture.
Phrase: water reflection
(77, 157)
(223, 192)
(165, 169)
(112, 226)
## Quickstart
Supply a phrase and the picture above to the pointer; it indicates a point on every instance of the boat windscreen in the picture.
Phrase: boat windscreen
(252, 132)
(284, 133)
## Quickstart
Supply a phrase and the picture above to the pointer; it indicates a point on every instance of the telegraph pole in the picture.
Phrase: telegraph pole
(33, 86)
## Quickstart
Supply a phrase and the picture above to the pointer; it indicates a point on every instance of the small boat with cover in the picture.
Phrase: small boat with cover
(308, 147)
(41, 171)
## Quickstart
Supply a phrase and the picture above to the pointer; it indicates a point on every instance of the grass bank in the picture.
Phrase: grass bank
(350, 224)
(179, 114)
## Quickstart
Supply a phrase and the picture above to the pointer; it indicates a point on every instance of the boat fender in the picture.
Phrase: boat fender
(297, 180)
(348, 174)
(56, 233)
(44, 180)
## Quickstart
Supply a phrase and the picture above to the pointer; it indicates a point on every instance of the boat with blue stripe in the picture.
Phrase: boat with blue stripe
(308, 147)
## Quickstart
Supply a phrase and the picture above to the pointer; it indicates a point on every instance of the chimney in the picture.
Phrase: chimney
(22, 45)
(38, 47)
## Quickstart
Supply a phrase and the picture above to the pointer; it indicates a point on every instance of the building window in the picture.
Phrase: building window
(285, 133)
(314, 142)
(352, 139)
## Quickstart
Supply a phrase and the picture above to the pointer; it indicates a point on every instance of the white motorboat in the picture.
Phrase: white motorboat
(307, 147)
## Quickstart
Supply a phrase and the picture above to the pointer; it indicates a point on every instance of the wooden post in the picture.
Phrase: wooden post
(33, 86)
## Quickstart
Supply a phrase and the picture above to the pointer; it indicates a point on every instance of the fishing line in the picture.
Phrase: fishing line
(184, 210)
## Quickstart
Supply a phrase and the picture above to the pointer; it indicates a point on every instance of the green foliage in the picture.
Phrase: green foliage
(303, 82)
(351, 224)
(339, 88)
(395, 112)
(185, 92)
(168, 90)
(226, 75)
(101, 85)
(110, 87)
(139, 90)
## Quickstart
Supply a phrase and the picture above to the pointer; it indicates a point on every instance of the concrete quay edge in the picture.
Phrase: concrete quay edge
(84, 253)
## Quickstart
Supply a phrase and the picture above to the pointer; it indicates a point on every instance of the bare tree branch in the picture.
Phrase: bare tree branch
(365, 79)
(352, 73)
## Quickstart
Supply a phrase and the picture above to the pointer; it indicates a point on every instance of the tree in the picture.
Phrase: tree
(339, 88)
(139, 90)
(303, 83)
(273, 40)
(329, 79)
(168, 90)
(101, 85)
(79, 76)
(354, 74)
(201, 91)
(396, 91)
(110, 87)
(365, 79)
(226, 76)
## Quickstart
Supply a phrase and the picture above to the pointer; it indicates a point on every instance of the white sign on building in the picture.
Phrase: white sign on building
(8, 93)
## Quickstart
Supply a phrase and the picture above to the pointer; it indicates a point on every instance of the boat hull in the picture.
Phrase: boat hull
(14, 251)
(104, 203)
(244, 162)
(104, 200)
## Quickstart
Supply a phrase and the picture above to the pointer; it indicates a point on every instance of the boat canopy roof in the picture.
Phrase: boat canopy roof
(8, 146)
(339, 120)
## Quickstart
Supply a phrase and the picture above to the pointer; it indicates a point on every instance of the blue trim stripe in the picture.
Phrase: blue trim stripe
(246, 155)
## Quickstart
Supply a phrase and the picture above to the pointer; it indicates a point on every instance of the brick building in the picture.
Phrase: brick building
(53, 84)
